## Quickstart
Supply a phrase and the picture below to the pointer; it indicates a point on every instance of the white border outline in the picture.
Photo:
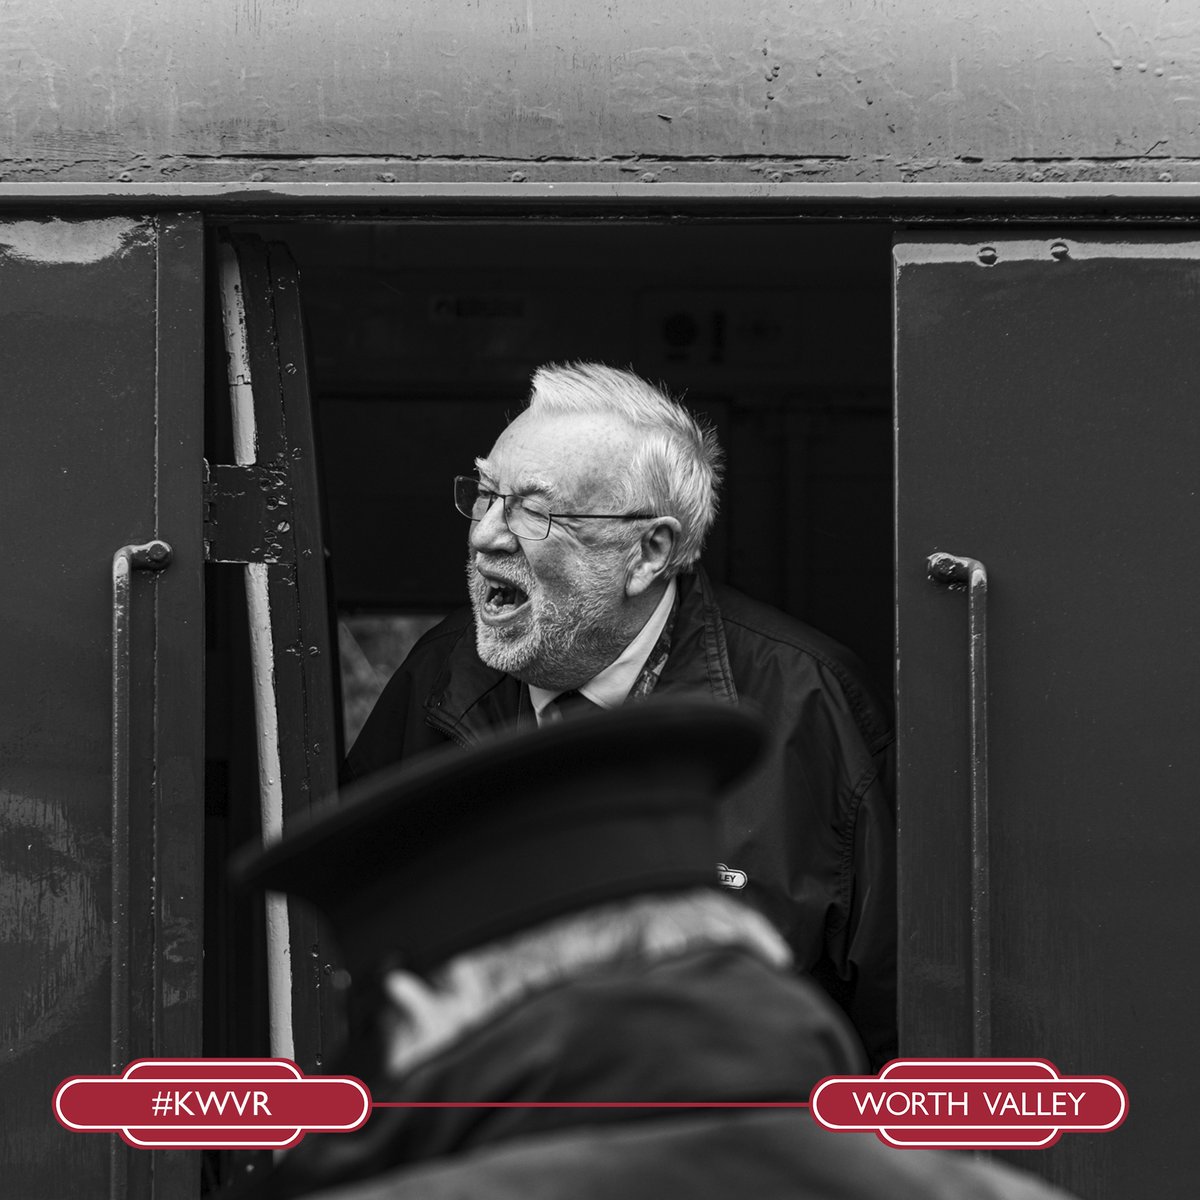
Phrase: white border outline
(287, 1072)
(894, 1072)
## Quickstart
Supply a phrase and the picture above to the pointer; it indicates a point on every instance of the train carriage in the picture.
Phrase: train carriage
(271, 275)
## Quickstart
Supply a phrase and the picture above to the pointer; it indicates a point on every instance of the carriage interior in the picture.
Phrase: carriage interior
(422, 338)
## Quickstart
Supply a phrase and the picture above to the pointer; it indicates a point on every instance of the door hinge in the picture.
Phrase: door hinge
(248, 513)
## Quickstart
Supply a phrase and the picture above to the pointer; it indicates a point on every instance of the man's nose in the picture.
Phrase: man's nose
(491, 532)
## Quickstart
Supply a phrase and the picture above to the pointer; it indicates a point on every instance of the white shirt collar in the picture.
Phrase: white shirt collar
(610, 687)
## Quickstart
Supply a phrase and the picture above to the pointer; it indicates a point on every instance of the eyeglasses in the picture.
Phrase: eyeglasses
(523, 517)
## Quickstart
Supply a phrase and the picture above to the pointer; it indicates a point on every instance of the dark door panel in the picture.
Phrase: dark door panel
(1048, 426)
(100, 359)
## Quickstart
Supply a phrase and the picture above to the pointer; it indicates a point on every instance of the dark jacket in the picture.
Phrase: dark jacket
(713, 1026)
(811, 834)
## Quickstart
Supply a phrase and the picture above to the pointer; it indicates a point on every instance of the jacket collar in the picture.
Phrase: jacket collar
(469, 698)
(699, 657)
(600, 1039)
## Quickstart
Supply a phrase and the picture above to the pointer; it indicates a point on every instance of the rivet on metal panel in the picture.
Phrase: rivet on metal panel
(1059, 251)
(987, 255)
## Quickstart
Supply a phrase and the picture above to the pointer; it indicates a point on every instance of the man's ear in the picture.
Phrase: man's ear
(653, 554)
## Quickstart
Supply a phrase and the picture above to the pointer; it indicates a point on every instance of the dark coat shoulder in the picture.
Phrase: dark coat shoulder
(756, 632)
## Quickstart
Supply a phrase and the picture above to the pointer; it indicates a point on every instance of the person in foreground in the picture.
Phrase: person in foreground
(536, 927)
(587, 522)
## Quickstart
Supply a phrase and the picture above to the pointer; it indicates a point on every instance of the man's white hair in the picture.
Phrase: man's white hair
(677, 466)
(426, 1015)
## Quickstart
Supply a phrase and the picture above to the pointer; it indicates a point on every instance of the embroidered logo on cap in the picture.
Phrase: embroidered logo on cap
(731, 877)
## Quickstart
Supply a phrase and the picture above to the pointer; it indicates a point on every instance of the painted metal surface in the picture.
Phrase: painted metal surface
(716, 199)
(100, 450)
(262, 649)
(149, 556)
(957, 571)
(1046, 420)
(288, 608)
(833, 90)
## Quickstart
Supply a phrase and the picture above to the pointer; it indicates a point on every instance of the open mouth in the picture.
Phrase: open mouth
(503, 599)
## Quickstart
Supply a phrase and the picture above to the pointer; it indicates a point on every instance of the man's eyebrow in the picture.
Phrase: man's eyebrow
(525, 485)
(534, 485)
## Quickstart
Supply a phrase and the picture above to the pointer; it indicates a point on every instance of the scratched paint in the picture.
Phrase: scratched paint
(53, 919)
(56, 241)
(680, 89)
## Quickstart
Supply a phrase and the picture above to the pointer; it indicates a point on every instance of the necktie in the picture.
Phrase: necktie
(574, 704)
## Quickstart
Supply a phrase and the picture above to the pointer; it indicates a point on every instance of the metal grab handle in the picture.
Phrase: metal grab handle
(150, 556)
(953, 571)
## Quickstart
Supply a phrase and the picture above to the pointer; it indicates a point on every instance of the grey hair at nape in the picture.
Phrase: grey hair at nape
(677, 467)
(425, 1016)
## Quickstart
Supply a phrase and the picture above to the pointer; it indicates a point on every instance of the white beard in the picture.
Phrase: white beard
(559, 644)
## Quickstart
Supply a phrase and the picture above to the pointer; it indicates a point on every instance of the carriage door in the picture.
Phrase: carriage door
(101, 692)
(266, 550)
(1048, 415)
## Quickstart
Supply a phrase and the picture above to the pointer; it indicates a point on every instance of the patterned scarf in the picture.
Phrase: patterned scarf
(649, 675)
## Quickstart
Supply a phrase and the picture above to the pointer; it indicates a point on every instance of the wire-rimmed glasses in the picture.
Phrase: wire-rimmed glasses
(524, 517)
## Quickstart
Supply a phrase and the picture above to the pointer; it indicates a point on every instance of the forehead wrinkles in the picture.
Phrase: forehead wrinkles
(575, 459)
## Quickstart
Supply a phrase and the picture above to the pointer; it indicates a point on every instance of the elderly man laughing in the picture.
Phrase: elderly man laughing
(588, 517)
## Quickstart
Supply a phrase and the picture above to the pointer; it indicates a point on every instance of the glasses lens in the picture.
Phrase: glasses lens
(530, 523)
(526, 521)
(467, 499)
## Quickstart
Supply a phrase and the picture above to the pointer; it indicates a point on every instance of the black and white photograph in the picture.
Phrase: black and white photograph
(599, 599)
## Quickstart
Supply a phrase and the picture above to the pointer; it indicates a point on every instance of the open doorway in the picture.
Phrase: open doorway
(423, 338)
